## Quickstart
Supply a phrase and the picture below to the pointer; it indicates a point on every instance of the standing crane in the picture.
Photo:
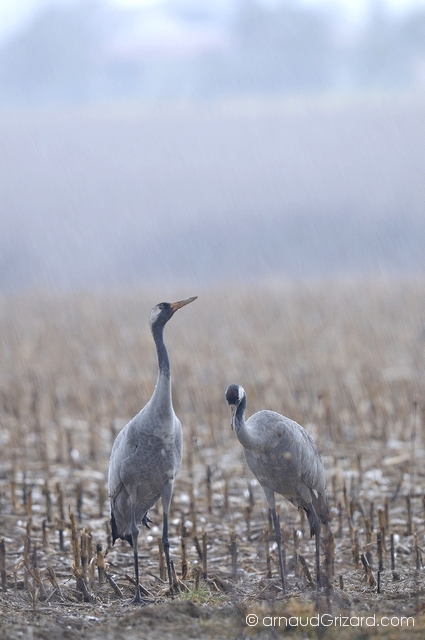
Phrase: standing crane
(284, 458)
(147, 454)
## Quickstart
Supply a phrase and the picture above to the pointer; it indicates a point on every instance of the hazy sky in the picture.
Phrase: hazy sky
(14, 12)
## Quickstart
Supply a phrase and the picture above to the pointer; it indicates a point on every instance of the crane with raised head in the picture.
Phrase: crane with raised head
(146, 455)
(284, 458)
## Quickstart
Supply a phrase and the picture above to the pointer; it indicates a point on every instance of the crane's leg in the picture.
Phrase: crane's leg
(269, 493)
(134, 537)
(278, 539)
(166, 501)
(317, 526)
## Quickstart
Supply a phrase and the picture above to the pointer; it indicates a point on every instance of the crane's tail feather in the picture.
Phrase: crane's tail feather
(146, 521)
(116, 534)
(318, 513)
(311, 521)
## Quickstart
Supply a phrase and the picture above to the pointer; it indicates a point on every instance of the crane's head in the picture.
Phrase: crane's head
(162, 312)
(234, 396)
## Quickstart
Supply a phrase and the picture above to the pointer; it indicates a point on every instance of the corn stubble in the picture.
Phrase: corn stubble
(345, 360)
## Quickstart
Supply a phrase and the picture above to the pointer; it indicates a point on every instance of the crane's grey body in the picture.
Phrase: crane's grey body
(144, 462)
(146, 455)
(285, 459)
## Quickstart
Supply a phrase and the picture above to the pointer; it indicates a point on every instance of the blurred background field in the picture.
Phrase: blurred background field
(242, 190)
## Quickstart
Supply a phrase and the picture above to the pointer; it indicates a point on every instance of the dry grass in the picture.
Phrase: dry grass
(346, 360)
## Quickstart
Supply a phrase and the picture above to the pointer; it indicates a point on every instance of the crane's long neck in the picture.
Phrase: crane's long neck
(245, 435)
(162, 394)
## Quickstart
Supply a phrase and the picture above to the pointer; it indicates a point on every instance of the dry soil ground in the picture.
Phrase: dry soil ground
(345, 359)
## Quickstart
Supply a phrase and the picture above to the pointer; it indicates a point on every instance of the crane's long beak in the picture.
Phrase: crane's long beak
(181, 303)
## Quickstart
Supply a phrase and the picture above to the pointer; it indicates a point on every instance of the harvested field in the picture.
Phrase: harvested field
(344, 359)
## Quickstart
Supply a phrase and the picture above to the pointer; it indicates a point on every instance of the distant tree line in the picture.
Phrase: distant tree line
(64, 55)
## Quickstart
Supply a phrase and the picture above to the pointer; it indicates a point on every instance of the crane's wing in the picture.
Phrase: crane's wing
(289, 463)
(122, 448)
(125, 445)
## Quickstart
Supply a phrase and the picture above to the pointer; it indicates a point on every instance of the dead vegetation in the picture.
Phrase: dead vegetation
(346, 360)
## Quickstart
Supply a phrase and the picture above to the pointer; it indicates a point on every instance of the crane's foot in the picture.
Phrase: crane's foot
(138, 598)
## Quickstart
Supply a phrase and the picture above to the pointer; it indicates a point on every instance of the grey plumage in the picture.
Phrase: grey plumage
(285, 459)
(147, 453)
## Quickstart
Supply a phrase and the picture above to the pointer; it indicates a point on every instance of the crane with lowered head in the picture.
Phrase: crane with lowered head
(284, 458)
